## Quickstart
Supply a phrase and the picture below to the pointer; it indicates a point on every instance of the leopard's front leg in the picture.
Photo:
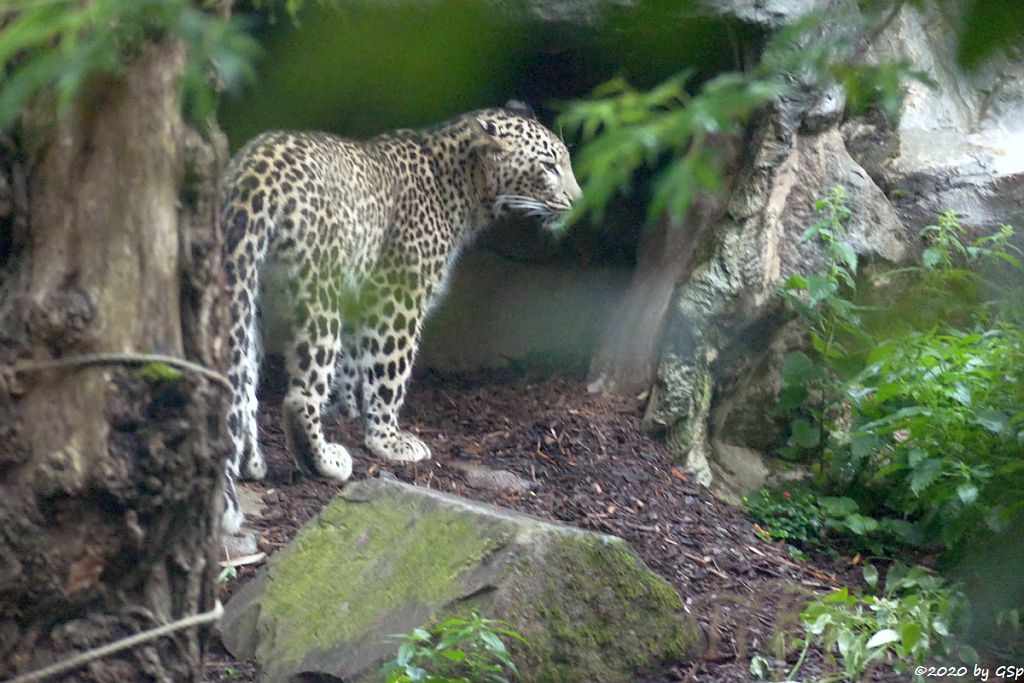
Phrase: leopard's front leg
(388, 341)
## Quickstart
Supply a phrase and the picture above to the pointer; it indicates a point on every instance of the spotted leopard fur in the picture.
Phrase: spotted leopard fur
(363, 234)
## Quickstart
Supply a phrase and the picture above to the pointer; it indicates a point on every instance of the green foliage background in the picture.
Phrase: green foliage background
(363, 66)
(52, 47)
(908, 407)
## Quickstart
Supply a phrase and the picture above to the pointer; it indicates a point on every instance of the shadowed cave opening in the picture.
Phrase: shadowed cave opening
(520, 296)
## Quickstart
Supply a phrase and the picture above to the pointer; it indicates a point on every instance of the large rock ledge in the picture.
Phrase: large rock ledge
(386, 557)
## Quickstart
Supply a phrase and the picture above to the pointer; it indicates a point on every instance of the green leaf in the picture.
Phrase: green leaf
(493, 642)
(841, 596)
(899, 528)
(415, 674)
(819, 288)
(883, 637)
(996, 421)
(916, 456)
(859, 524)
(989, 28)
(34, 74)
(968, 654)
(805, 435)
(888, 390)
(931, 257)
(792, 397)
(451, 624)
(405, 654)
(511, 634)
(849, 647)
(846, 253)
(838, 507)
(798, 369)
(760, 667)
(968, 493)
(818, 626)
(863, 445)
(910, 636)
(795, 282)
(899, 417)
(454, 655)
(961, 394)
(925, 474)
(870, 575)
(816, 229)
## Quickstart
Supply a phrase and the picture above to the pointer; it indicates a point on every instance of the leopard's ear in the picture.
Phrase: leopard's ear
(520, 108)
(485, 139)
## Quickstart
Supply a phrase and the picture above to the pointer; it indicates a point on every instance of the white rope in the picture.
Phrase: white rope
(131, 641)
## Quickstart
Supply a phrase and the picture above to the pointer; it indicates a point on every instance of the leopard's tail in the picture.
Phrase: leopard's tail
(246, 229)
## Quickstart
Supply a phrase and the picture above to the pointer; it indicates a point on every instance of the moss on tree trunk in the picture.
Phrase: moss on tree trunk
(109, 477)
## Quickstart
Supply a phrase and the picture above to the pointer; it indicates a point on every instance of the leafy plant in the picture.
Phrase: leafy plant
(673, 126)
(811, 521)
(55, 46)
(908, 402)
(912, 403)
(790, 515)
(909, 622)
(458, 650)
(826, 298)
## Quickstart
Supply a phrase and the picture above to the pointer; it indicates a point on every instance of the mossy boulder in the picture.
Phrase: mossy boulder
(386, 557)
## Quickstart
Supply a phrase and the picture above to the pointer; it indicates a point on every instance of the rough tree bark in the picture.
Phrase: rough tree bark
(109, 474)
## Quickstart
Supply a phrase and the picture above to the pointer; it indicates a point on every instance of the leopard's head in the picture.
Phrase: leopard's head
(527, 167)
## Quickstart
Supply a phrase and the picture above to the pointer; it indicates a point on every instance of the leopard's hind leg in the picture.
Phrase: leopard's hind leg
(346, 398)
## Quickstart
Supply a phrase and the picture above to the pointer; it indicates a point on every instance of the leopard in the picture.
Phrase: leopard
(361, 237)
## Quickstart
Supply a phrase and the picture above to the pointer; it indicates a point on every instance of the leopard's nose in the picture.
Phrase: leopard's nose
(572, 189)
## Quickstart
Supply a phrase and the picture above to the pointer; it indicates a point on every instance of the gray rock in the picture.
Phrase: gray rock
(720, 374)
(386, 557)
(238, 545)
(737, 470)
(961, 143)
(679, 404)
(768, 14)
(765, 13)
(502, 481)
(514, 312)
(958, 146)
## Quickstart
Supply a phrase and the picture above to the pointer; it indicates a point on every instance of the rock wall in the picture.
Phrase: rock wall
(959, 146)
(959, 141)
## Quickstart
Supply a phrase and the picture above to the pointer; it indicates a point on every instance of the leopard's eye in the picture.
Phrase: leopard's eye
(550, 167)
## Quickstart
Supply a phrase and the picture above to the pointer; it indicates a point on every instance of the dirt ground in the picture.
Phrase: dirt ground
(546, 447)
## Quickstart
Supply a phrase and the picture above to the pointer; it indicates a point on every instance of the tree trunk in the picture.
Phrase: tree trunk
(110, 473)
